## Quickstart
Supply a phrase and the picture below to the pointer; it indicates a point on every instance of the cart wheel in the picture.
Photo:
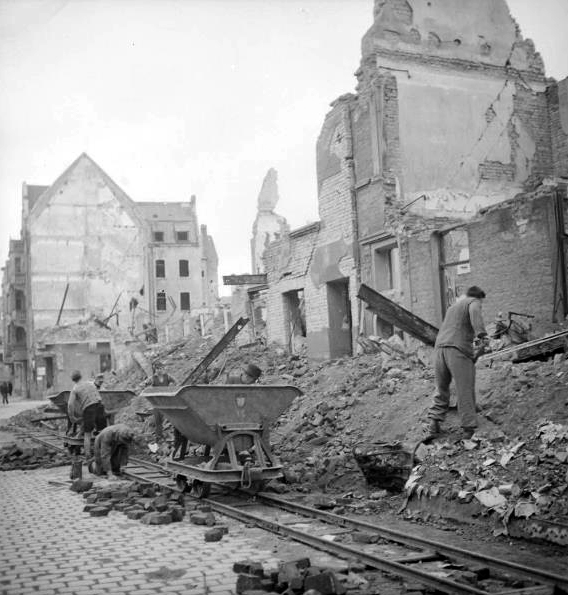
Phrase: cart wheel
(200, 489)
(182, 483)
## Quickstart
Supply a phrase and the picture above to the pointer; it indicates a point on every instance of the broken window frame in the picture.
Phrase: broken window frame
(449, 294)
(161, 301)
(160, 268)
(158, 236)
(184, 268)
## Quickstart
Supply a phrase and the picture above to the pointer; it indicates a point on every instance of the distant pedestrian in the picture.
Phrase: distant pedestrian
(111, 450)
(86, 409)
(10, 388)
(4, 391)
(454, 359)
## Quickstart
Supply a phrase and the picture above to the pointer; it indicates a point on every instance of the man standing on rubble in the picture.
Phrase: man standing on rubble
(86, 409)
(454, 358)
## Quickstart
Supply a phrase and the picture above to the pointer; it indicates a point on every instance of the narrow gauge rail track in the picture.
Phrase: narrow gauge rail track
(414, 557)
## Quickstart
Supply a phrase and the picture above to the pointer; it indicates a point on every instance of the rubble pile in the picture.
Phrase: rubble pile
(299, 577)
(24, 456)
(507, 478)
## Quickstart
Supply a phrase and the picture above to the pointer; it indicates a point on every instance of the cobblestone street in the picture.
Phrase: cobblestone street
(50, 546)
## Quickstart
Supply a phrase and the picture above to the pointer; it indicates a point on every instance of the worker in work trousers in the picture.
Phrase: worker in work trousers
(86, 409)
(160, 378)
(111, 450)
(454, 358)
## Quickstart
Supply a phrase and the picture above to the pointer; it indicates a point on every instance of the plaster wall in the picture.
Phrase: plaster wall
(462, 142)
(482, 31)
(172, 283)
(83, 236)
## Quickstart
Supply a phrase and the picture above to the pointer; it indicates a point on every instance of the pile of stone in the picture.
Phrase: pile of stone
(25, 457)
(148, 504)
(138, 501)
(297, 577)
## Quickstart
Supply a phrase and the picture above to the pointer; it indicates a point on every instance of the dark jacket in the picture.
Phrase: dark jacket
(108, 441)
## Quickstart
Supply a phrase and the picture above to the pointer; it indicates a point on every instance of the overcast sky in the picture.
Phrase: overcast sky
(180, 97)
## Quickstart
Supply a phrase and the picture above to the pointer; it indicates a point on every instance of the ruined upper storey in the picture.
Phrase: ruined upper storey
(481, 32)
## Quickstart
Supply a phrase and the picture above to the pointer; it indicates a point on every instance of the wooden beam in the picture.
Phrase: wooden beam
(259, 279)
(398, 316)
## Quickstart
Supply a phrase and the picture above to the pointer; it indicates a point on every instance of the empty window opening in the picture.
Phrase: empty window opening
(158, 236)
(184, 303)
(184, 268)
(161, 268)
(339, 313)
(18, 264)
(20, 335)
(294, 307)
(454, 265)
(182, 236)
(161, 300)
(386, 267)
(20, 301)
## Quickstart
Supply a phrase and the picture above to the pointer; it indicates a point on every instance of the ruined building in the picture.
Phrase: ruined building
(88, 251)
(446, 167)
(248, 299)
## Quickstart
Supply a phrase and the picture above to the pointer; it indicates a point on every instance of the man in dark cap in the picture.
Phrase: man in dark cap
(454, 358)
(86, 409)
(248, 374)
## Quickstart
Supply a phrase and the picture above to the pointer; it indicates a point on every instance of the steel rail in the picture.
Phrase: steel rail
(384, 564)
(536, 574)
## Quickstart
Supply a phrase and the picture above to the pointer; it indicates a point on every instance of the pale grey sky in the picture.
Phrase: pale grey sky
(180, 97)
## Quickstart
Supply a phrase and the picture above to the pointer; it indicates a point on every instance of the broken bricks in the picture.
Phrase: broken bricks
(293, 576)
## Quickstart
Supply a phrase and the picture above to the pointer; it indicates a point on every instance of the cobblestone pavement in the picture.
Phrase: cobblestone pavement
(48, 545)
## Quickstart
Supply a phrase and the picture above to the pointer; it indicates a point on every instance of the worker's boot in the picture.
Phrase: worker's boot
(432, 430)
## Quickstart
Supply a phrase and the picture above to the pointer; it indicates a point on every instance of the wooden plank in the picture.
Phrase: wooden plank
(259, 279)
(398, 316)
(418, 557)
(530, 348)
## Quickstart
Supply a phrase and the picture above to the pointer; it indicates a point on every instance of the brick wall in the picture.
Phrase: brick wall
(511, 258)
(557, 97)
(532, 110)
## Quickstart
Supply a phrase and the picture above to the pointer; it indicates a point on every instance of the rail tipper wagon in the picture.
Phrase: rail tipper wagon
(113, 401)
(233, 423)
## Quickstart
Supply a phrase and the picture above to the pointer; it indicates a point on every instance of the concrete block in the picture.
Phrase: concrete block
(156, 518)
(248, 567)
(100, 511)
(214, 534)
(199, 518)
(136, 514)
(81, 485)
(247, 582)
(177, 513)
